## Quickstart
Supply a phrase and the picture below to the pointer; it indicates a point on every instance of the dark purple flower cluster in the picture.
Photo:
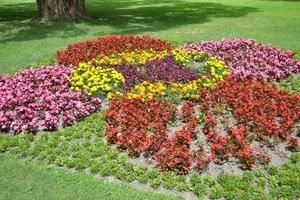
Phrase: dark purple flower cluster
(155, 71)
(251, 60)
(40, 99)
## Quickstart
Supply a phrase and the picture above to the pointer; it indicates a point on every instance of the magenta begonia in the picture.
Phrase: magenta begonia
(251, 60)
(40, 99)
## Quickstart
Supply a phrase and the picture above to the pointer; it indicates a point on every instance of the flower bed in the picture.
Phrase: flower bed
(184, 108)
(85, 51)
(179, 73)
(248, 111)
(251, 60)
(40, 99)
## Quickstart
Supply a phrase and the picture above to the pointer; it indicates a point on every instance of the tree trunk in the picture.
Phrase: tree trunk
(52, 9)
(76, 9)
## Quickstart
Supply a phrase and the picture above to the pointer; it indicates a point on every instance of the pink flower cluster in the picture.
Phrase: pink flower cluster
(251, 60)
(40, 99)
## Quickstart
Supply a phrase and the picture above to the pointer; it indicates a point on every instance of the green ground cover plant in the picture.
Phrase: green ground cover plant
(291, 84)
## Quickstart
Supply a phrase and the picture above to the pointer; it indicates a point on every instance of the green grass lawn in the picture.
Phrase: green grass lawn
(24, 42)
(38, 181)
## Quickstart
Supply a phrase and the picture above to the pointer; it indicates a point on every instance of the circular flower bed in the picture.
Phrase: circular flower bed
(183, 108)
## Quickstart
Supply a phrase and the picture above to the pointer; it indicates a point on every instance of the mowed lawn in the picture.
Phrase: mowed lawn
(20, 180)
(24, 42)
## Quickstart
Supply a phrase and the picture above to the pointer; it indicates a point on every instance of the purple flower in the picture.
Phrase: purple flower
(155, 71)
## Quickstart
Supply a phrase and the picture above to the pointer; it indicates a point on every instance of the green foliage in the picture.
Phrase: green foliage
(295, 157)
(200, 116)
(291, 84)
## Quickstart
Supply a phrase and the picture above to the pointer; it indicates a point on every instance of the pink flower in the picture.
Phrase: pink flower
(36, 99)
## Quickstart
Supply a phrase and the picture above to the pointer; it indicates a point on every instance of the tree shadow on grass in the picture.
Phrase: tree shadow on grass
(19, 11)
(123, 16)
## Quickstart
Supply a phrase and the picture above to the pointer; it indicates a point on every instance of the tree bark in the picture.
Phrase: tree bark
(76, 9)
(53, 9)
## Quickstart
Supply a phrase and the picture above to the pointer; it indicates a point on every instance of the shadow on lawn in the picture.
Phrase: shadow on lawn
(123, 16)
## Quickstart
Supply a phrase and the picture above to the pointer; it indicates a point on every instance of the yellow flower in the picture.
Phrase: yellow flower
(92, 79)
(109, 95)
(183, 56)
(184, 89)
(134, 57)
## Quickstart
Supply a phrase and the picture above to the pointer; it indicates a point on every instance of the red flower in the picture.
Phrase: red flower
(85, 51)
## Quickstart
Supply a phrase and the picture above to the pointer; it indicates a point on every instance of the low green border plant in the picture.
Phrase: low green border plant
(291, 84)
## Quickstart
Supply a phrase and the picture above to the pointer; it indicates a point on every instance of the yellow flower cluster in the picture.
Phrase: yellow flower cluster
(147, 91)
(189, 90)
(96, 80)
(134, 57)
(184, 57)
(181, 56)
(217, 71)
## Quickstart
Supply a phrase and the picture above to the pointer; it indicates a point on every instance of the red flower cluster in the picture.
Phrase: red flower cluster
(142, 127)
(262, 113)
(293, 144)
(85, 51)
(264, 109)
(222, 148)
(139, 127)
(174, 154)
(249, 111)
